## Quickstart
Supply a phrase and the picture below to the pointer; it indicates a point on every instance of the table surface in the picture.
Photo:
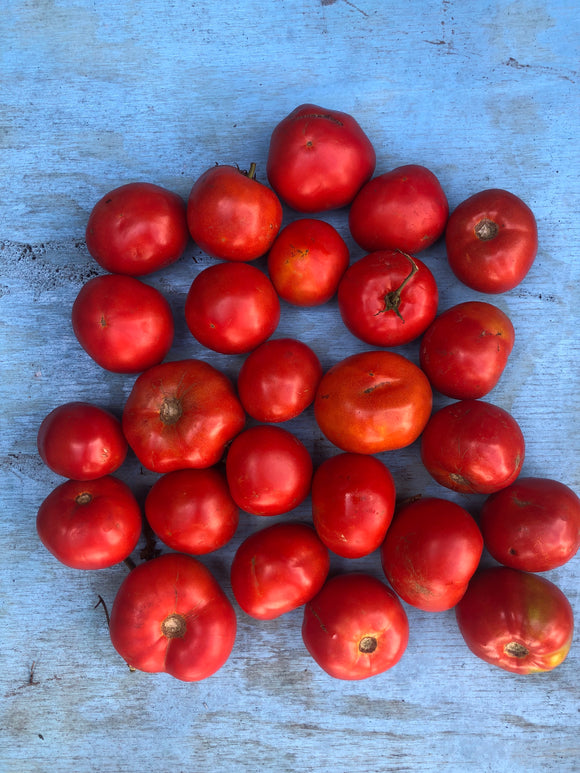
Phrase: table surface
(94, 95)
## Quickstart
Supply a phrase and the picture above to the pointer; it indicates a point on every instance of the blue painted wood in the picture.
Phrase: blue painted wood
(93, 95)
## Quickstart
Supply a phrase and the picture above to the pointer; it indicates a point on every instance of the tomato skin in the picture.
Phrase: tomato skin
(532, 525)
(517, 621)
(353, 501)
(431, 551)
(355, 627)
(278, 569)
(466, 349)
(318, 159)
(171, 615)
(90, 524)
(81, 441)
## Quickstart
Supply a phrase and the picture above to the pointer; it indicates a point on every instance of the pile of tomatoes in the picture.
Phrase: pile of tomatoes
(187, 422)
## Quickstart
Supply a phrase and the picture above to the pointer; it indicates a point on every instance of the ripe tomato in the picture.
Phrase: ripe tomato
(465, 350)
(278, 380)
(124, 325)
(232, 308)
(355, 627)
(492, 241)
(171, 615)
(353, 501)
(137, 229)
(473, 447)
(90, 524)
(81, 441)
(181, 414)
(372, 402)
(268, 470)
(514, 620)
(307, 261)
(318, 159)
(278, 569)
(403, 209)
(387, 298)
(533, 525)
(232, 216)
(431, 552)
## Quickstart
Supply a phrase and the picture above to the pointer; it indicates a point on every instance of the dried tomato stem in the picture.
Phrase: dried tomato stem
(392, 300)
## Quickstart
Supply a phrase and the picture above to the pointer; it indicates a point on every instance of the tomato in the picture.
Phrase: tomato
(353, 501)
(355, 627)
(278, 380)
(231, 215)
(387, 298)
(492, 241)
(181, 414)
(278, 569)
(90, 524)
(192, 510)
(307, 261)
(473, 447)
(403, 209)
(373, 401)
(517, 621)
(81, 441)
(171, 615)
(431, 552)
(269, 470)
(533, 525)
(318, 159)
(465, 350)
(232, 308)
(137, 229)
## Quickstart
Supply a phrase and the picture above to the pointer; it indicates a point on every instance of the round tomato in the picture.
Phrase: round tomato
(318, 159)
(514, 620)
(171, 615)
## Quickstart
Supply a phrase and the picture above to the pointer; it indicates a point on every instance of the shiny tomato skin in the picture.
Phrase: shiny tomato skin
(430, 553)
(403, 209)
(518, 621)
(532, 525)
(81, 441)
(318, 159)
(355, 627)
(491, 240)
(278, 569)
(171, 615)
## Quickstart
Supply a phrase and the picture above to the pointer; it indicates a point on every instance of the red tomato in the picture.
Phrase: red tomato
(81, 441)
(372, 402)
(232, 216)
(181, 414)
(269, 470)
(514, 620)
(465, 350)
(137, 229)
(492, 241)
(307, 261)
(533, 525)
(278, 569)
(353, 501)
(355, 627)
(403, 209)
(90, 524)
(192, 511)
(431, 552)
(124, 325)
(473, 447)
(232, 308)
(171, 615)
(387, 298)
(278, 380)
(318, 159)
